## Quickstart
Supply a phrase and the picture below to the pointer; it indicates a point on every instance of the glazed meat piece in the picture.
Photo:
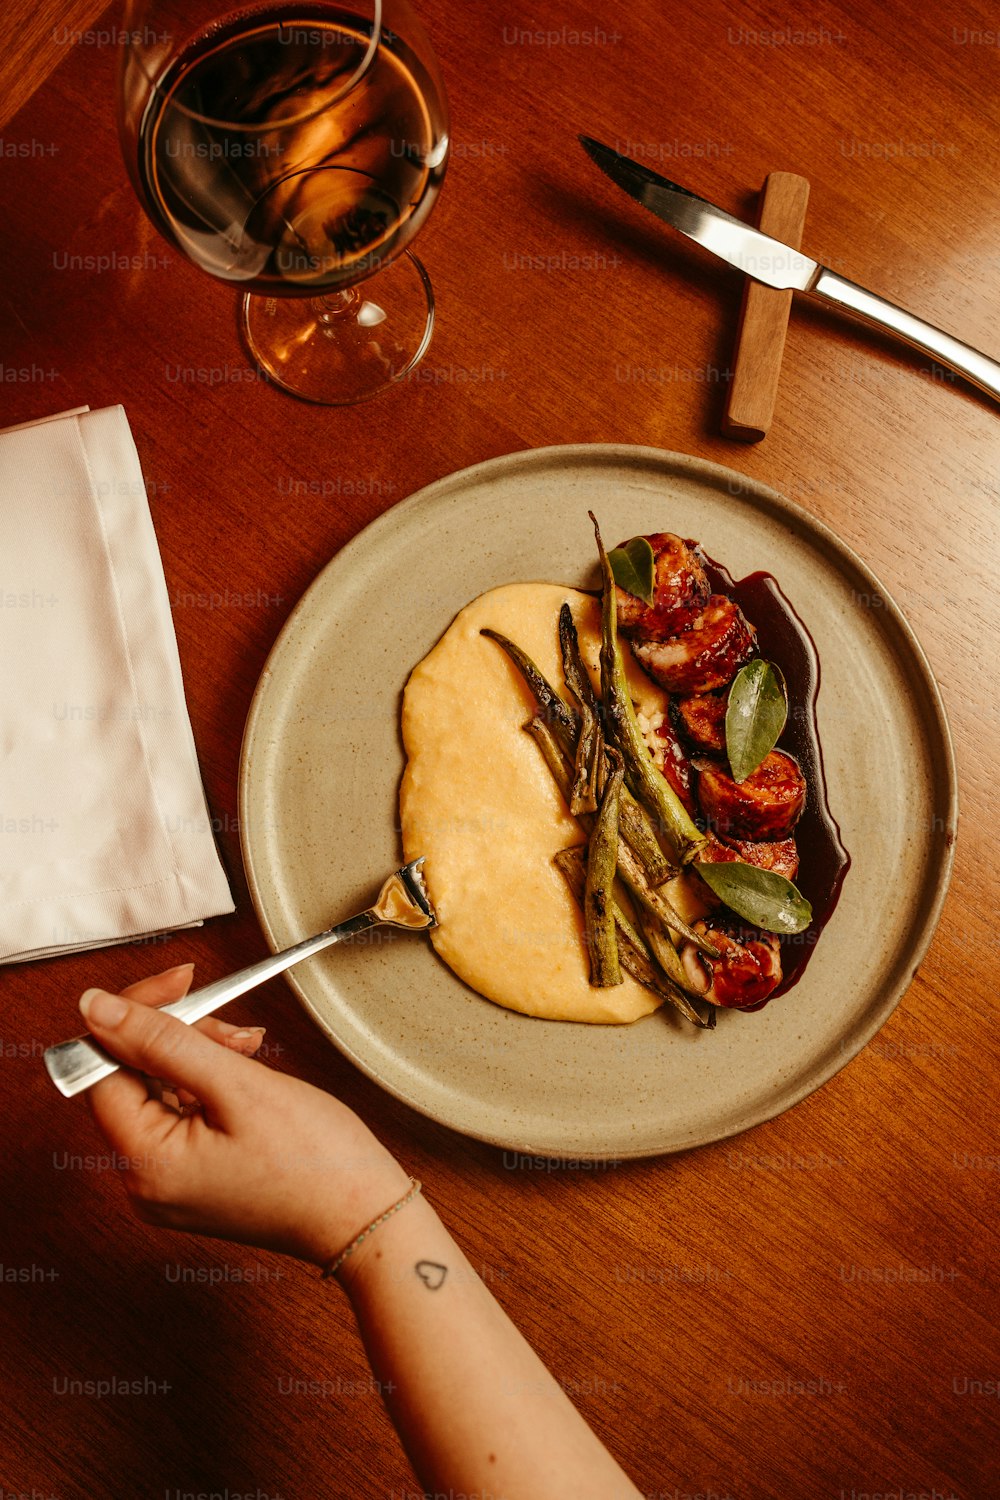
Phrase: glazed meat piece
(673, 764)
(702, 719)
(705, 655)
(747, 970)
(679, 583)
(779, 855)
(764, 807)
(714, 852)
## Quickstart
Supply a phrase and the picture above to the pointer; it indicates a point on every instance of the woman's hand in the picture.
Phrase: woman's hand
(266, 1160)
(270, 1161)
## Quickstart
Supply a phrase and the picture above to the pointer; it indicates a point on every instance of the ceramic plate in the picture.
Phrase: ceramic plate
(322, 760)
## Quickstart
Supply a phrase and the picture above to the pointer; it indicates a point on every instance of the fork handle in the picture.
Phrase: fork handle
(77, 1064)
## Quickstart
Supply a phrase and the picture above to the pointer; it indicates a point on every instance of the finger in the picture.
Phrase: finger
(123, 1107)
(161, 989)
(159, 1044)
(156, 989)
(173, 984)
(126, 1106)
(244, 1039)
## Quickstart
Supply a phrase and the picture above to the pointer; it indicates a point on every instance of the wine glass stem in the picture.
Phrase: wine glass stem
(334, 306)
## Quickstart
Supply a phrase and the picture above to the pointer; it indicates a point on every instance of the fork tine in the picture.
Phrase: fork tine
(412, 877)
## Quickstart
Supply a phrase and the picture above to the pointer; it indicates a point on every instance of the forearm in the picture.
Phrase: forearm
(272, 1161)
(475, 1407)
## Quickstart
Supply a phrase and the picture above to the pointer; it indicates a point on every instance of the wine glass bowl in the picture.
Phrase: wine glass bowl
(294, 151)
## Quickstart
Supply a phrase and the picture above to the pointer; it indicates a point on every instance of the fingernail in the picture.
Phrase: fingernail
(103, 1009)
(177, 969)
(246, 1033)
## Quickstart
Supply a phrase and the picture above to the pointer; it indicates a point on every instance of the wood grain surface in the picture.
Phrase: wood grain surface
(809, 1310)
(36, 40)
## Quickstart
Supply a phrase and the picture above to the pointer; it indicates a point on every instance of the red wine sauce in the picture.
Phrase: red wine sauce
(823, 861)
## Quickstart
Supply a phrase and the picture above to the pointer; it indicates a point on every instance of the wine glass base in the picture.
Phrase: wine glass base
(344, 347)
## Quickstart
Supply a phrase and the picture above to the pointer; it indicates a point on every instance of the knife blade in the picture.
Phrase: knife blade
(769, 261)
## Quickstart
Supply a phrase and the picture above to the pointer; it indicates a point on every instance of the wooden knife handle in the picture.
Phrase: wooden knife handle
(760, 339)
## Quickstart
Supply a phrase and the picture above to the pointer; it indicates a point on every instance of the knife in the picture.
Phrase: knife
(769, 261)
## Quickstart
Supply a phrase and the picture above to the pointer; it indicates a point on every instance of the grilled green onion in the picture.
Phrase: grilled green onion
(588, 762)
(629, 868)
(645, 780)
(598, 899)
(636, 826)
(559, 714)
(633, 953)
(588, 767)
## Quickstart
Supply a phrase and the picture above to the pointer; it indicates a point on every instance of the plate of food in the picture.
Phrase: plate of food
(805, 835)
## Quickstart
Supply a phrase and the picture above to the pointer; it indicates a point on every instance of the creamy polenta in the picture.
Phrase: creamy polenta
(479, 802)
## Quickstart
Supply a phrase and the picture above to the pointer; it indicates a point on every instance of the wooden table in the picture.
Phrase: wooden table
(812, 1309)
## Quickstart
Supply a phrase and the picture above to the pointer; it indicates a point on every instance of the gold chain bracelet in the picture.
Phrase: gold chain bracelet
(335, 1265)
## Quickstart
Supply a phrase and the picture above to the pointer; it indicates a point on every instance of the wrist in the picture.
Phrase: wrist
(365, 1181)
(355, 1245)
(387, 1256)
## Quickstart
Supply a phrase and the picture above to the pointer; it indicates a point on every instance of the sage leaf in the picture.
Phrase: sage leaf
(761, 897)
(633, 567)
(755, 716)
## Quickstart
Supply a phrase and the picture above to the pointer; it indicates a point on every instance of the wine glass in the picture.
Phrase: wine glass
(294, 150)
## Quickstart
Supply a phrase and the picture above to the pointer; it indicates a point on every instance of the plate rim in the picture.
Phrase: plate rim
(802, 521)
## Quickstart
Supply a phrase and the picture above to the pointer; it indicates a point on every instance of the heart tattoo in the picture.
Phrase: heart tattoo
(430, 1273)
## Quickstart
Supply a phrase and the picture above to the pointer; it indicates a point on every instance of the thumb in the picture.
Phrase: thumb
(142, 1037)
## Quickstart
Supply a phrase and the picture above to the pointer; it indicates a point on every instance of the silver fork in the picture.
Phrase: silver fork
(402, 902)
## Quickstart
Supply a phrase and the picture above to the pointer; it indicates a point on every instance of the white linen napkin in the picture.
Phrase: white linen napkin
(105, 834)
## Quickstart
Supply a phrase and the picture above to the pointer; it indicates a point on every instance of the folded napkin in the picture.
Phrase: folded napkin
(105, 834)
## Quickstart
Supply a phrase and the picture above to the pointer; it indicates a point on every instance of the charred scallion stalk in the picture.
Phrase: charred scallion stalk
(598, 899)
(564, 721)
(647, 973)
(662, 949)
(633, 954)
(656, 903)
(636, 827)
(587, 766)
(637, 831)
(588, 762)
(642, 840)
(645, 780)
(629, 868)
(555, 710)
(555, 760)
